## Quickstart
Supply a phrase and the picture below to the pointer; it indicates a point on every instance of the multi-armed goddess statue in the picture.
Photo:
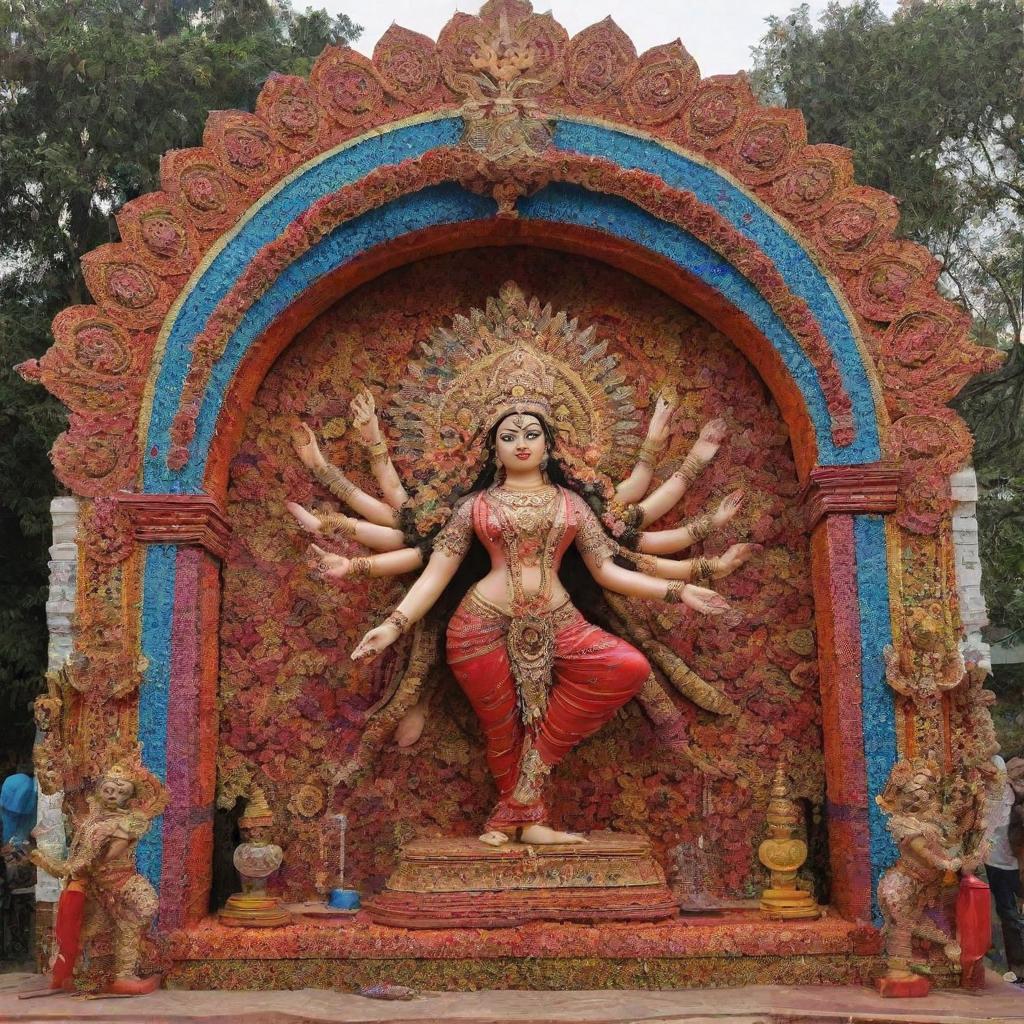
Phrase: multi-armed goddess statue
(502, 423)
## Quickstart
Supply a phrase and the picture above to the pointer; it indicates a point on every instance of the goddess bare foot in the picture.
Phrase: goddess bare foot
(536, 835)
(543, 835)
(410, 726)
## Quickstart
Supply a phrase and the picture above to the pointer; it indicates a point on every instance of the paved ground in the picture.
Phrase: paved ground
(999, 1004)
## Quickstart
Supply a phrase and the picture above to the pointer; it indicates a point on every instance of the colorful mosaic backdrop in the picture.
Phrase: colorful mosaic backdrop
(292, 703)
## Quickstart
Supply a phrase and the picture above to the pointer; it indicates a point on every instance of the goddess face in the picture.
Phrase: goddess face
(520, 443)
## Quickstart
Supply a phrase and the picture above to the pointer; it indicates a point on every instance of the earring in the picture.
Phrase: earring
(544, 462)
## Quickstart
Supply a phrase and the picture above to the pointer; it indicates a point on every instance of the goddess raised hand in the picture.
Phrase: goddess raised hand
(634, 487)
(308, 450)
(364, 417)
(656, 504)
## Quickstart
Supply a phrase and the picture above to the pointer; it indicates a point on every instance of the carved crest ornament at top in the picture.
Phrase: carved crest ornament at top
(509, 72)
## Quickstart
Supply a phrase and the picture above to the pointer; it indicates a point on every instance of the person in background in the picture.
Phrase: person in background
(1002, 865)
(18, 806)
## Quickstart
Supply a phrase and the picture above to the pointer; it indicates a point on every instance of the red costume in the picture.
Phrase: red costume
(543, 678)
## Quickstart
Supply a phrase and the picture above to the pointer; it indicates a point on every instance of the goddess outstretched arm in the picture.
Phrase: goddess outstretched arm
(373, 509)
(692, 569)
(335, 525)
(450, 547)
(598, 550)
(664, 542)
(634, 487)
(656, 504)
(364, 416)
(340, 567)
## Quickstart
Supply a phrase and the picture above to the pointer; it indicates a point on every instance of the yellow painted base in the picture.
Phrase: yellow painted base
(244, 910)
(789, 904)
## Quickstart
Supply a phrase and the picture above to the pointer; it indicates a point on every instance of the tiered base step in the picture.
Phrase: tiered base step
(464, 883)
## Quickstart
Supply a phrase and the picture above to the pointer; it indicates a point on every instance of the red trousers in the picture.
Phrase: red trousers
(594, 674)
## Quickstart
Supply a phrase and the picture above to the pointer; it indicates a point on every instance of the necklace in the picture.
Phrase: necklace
(530, 487)
(532, 498)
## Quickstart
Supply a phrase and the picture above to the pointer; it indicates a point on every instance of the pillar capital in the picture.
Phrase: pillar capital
(188, 520)
(850, 489)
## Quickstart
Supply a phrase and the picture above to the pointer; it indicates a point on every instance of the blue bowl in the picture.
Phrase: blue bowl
(343, 899)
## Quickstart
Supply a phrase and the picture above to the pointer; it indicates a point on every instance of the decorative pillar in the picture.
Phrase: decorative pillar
(186, 537)
(60, 621)
(845, 506)
(967, 558)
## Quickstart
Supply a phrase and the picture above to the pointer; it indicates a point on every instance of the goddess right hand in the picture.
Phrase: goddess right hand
(328, 566)
(712, 434)
(305, 444)
(703, 600)
(379, 639)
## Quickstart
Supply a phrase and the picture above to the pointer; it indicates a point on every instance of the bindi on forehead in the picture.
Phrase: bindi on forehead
(521, 421)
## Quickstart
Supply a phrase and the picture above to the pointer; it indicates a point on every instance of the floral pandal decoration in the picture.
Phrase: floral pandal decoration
(510, 96)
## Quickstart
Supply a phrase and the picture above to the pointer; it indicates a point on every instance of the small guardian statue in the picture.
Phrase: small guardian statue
(915, 882)
(105, 896)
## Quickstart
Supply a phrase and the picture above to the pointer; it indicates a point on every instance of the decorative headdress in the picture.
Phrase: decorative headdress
(514, 355)
(521, 383)
(119, 773)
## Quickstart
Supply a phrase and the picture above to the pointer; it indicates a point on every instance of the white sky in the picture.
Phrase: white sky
(718, 33)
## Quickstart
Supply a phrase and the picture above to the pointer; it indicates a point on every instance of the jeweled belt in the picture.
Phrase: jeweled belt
(530, 641)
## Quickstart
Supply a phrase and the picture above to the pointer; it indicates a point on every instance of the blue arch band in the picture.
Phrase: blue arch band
(878, 710)
(155, 691)
(452, 205)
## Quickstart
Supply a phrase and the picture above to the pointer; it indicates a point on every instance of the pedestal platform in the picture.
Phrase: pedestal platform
(464, 883)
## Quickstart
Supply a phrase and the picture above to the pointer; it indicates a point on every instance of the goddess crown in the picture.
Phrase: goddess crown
(514, 355)
(521, 383)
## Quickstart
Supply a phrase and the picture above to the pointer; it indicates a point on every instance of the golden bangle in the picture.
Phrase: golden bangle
(701, 527)
(399, 620)
(360, 569)
(334, 480)
(706, 568)
(378, 452)
(691, 467)
(649, 452)
(674, 592)
(337, 525)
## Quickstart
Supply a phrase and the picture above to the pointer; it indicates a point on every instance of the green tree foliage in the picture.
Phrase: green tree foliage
(92, 92)
(931, 103)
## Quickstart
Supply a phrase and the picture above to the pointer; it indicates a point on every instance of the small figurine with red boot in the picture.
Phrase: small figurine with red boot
(105, 895)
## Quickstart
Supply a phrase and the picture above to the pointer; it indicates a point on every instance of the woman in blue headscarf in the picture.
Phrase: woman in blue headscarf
(18, 805)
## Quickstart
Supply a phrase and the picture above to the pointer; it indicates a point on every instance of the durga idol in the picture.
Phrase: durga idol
(539, 676)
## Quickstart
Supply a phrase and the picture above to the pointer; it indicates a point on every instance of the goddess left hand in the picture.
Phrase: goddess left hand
(379, 639)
